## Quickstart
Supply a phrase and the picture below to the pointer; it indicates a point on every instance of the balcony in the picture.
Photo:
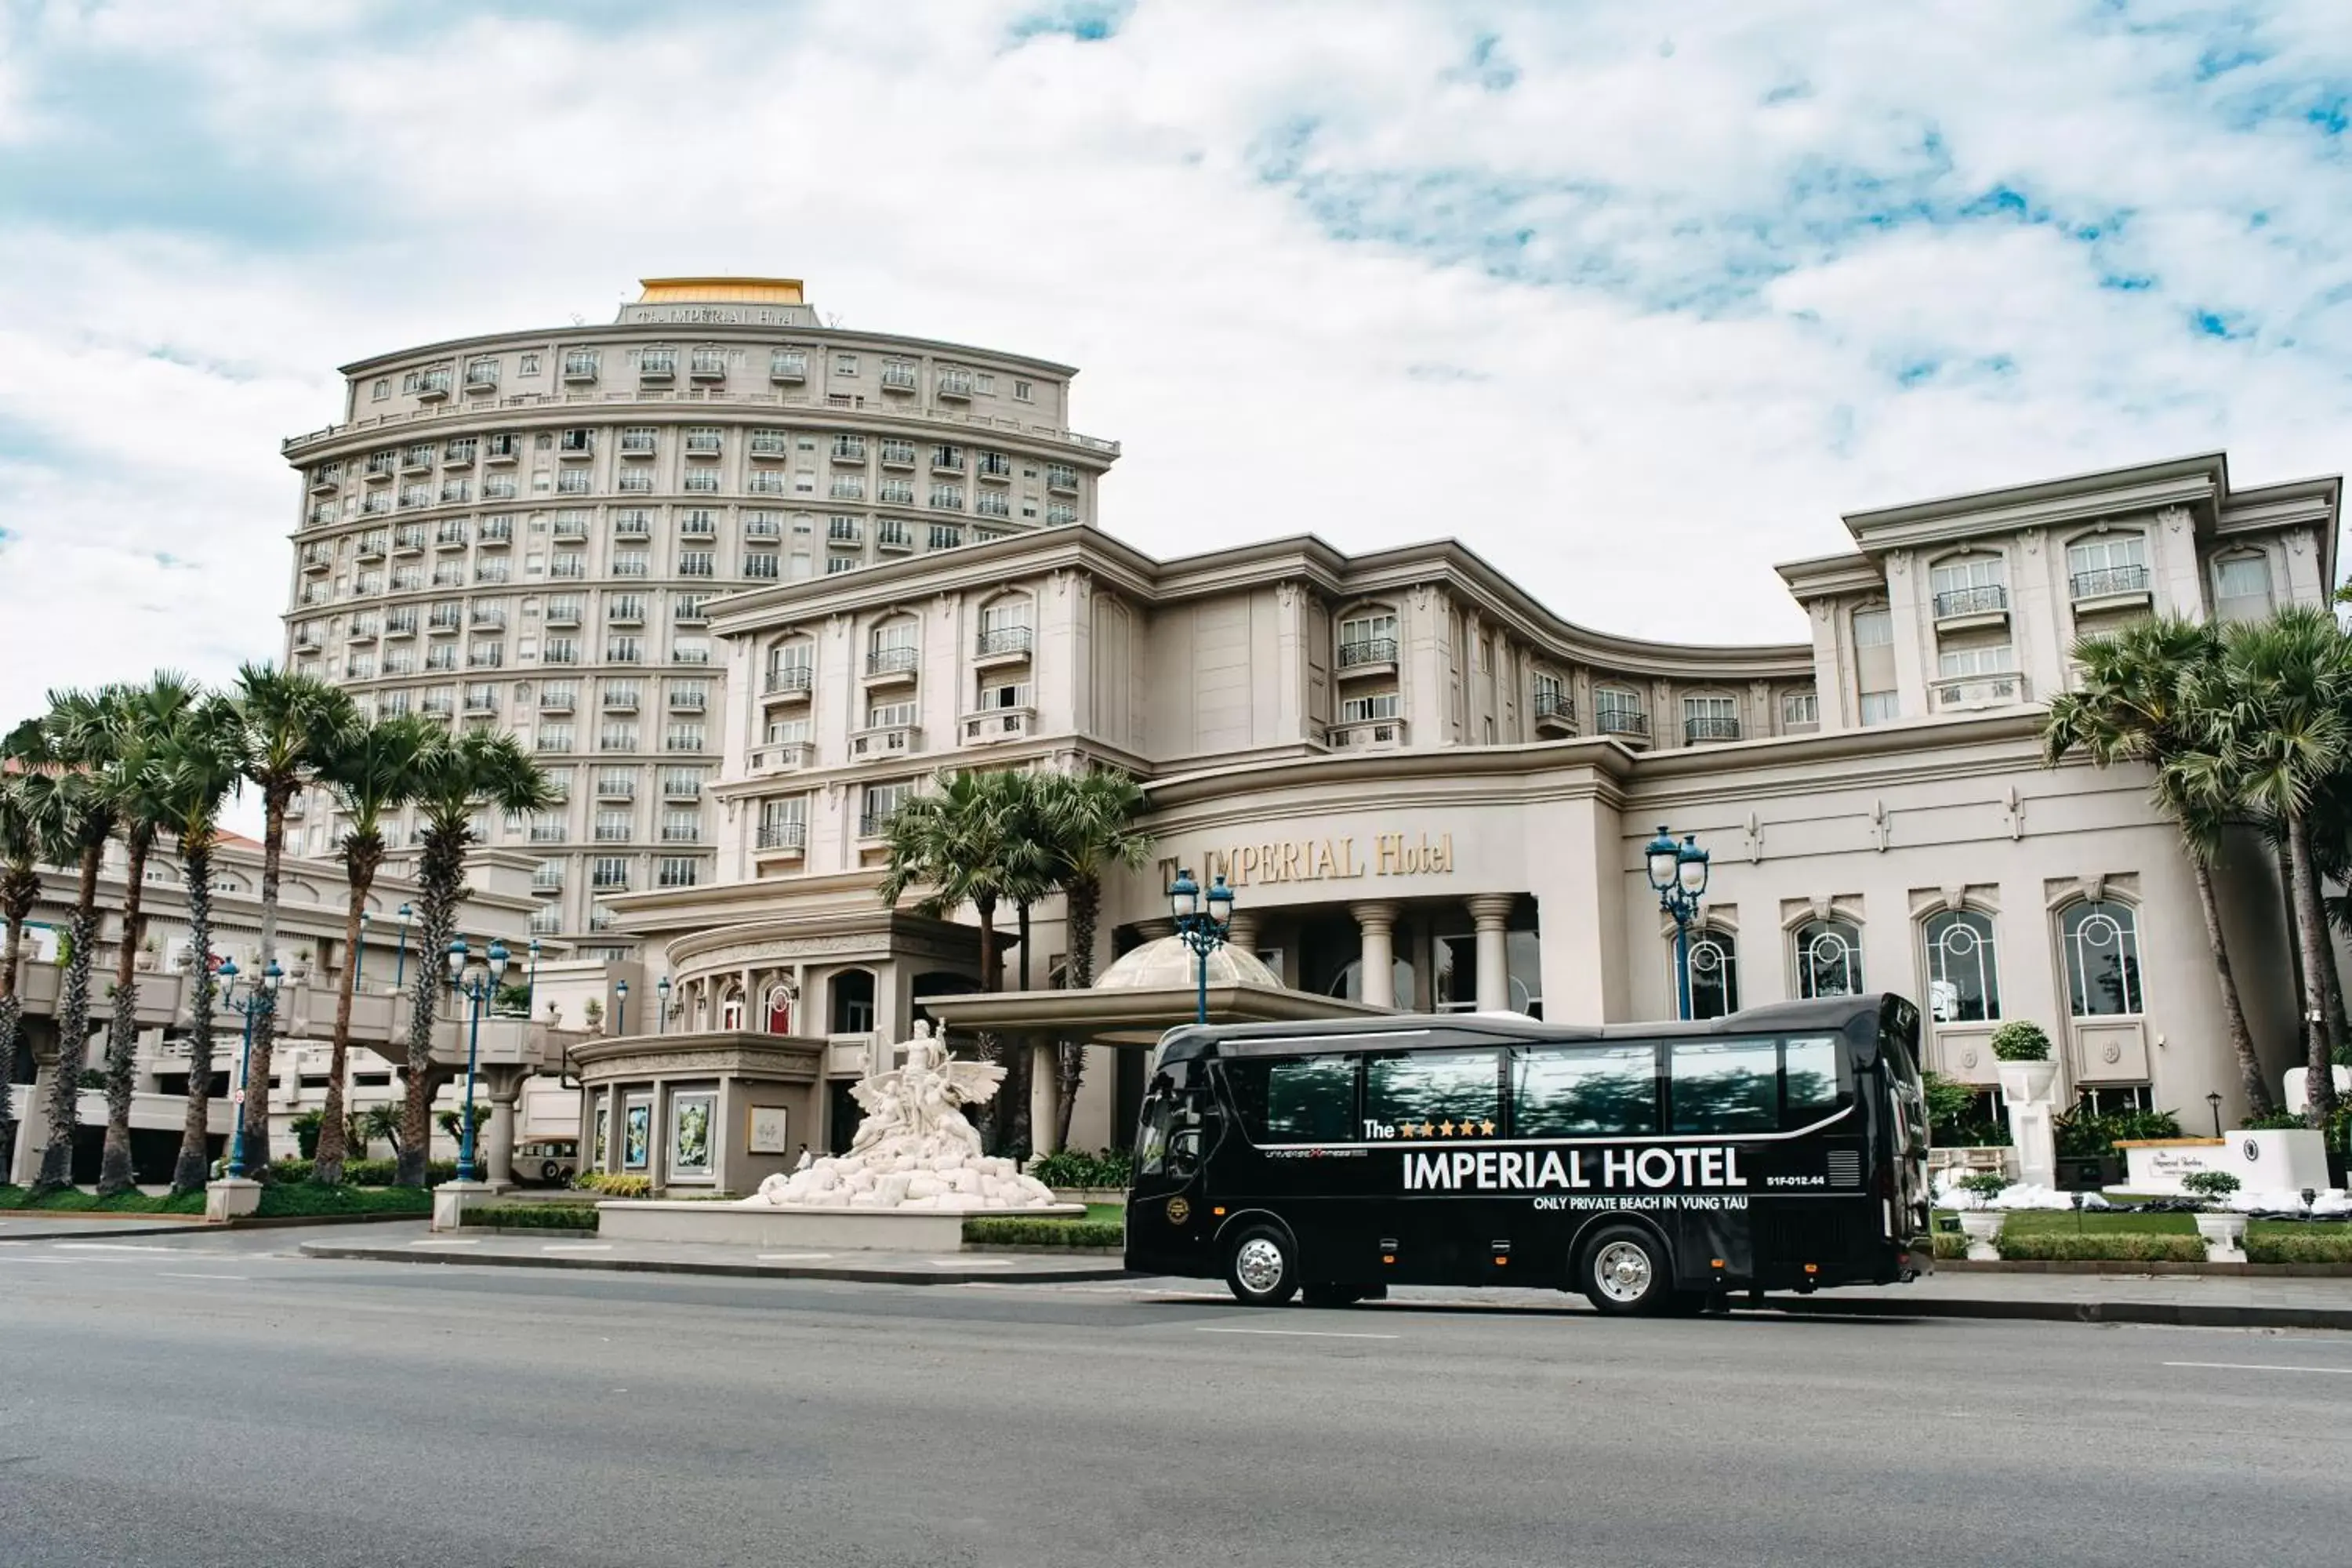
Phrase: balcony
(897, 454)
(884, 742)
(892, 665)
(768, 446)
(487, 616)
(450, 537)
(1956, 609)
(372, 546)
(476, 702)
(1967, 693)
(707, 364)
(1367, 656)
(1554, 711)
(416, 460)
(1697, 732)
(562, 615)
(787, 365)
(895, 537)
(873, 824)
(326, 479)
(1367, 735)
(681, 833)
(947, 461)
(503, 449)
(433, 386)
(316, 558)
(900, 378)
(1003, 645)
(1062, 481)
(993, 725)
(622, 787)
(481, 378)
(782, 757)
(400, 627)
(622, 613)
(684, 786)
(783, 837)
(705, 444)
(620, 702)
(497, 532)
(2110, 588)
(637, 444)
(690, 702)
(555, 699)
(579, 368)
(954, 385)
(788, 683)
(547, 878)
(1625, 723)
(656, 369)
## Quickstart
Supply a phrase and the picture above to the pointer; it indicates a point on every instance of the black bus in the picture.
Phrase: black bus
(1655, 1167)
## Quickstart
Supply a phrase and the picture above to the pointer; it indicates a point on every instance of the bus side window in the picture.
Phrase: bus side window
(1426, 1088)
(1296, 1100)
(1725, 1086)
(1184, 1152)
(1584, 1091)
(1809, 1077)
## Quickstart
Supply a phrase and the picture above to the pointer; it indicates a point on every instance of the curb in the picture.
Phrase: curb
(2137, 1266)
(848, 1272)
(2167, 1314)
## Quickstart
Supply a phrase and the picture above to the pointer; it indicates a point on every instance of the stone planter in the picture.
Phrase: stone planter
(2023, 1083)
(2225, 1237)
(1982, 1227)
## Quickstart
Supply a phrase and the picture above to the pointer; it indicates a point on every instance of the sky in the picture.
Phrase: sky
(1635, 299)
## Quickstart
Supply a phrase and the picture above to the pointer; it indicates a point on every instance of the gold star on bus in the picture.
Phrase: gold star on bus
(1446, 1128)
(1428, 1129)
(1488, 1128)
(1405, 1130)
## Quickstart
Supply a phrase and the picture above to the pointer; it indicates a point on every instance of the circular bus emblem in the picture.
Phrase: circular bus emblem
(1179, 1211)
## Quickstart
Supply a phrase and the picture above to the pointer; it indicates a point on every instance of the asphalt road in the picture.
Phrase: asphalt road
(213, 1400)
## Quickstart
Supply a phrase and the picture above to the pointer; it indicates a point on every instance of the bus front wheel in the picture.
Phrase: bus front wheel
(1626, 1271)
(1260, 1268)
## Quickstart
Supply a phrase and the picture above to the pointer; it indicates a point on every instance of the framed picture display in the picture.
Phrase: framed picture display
(768, 1131)
(637, 1135)
(689, 1133)
(602, 1131)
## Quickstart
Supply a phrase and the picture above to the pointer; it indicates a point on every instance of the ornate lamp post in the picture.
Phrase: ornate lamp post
(400, 968)
(1203, 924)
(661, 1005)
(531, 982)
(478, 985)
(620, 1008)
(260, 996)
(1679, 875)
(2214, 1100)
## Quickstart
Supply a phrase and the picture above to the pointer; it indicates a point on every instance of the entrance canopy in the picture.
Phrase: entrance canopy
(1132, 1017)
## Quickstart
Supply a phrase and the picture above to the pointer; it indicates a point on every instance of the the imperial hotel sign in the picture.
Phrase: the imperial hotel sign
(820, 566)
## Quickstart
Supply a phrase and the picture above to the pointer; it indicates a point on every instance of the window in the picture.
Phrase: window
(682, 737)
(1829, 959)
(1368, 639)
(381, 390)
(624, 649)
(1808, 1079)
(630, 562)
(681, 827)
(1618, 712)
(890, 715)
(1724, 1086)
(1584, 1091)
(608, 872)
(947, 497)
(561, 650)
(2241, 588)
(1970, 585)
(676, 872)
(760, 565)
(1711, 717)
(880, 802)
(1433, 1092)
(697, 564)
(1994, 658)
(631, 482)
(690, 650)
(1368, 709)
(612, 826)
(1873, 664)
(574, 482)
(896, 492)
(1021, 391)
(1011, 694)
(1963, 969)
(2101, 943)
(783, 824)
(1800, 710)
(845, 364)
(699, 481)
(1302, 1100)
(1714, 972)
(576, 442)
(764, 482)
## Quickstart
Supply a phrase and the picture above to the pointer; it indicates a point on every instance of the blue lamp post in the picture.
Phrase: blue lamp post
(260, 996)
(1203, 924)
(400, 968)
(1679, 875)
(477, 986)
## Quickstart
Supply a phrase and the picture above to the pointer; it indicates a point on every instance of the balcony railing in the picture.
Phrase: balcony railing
(1556, 708)
(786, 365)
(1367, 734)
(995, 724)
(1367, 651)
(2109, 580)
(1981, 600)
(1999, 688)
(1002, 640)
(788, 680)
(1623, 721)
(892, 661)
(886, 740)
(784, 835)
(1698, 730)
(782, 757)
(873, 824)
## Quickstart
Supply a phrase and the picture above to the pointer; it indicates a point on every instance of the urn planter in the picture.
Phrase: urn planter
(1982, 1227)
(2225, 1237)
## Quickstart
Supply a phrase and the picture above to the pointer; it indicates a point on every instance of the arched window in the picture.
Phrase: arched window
(1963, 968)
(2100, 563)
(1969, 585)
(780, 1010)
(892, 646)
(2241, 588)
(1368, 635)
(730, 1009)
(1004, 626)
(1618, 711)
(792, 667)
(1714, 972)
(2101, 943)
(852, 993)
(1829, 959)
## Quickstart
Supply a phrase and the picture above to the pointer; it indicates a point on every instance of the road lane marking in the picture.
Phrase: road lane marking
(167, 1274)
(972, 1263)
(2259, 1366)
(1296, 1333)
(108, 1246)
(469, 1241)
(793, 1257)
(577, 1247)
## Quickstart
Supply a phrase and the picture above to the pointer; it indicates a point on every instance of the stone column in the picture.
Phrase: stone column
(30, 1104)
(1490, 915)
(1045, 1096)
(499, 1130)
(1242, 934)
(1378, 924)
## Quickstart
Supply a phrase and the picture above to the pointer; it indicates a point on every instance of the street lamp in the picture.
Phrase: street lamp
(621, 1008)
(1203, 924)
(358, 958)
(477, 986)
(1679, 875)
(2214, 1100)
(260, 996)
(661, 1005)
(531, 982)
(400, 970)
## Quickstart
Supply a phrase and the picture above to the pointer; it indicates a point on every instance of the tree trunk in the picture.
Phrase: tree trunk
(11, 1033)
(195, 1163)
(327, 1169)
(265, 1023)
(440, 874)
(1020, 917)
(2234, 1015)
(73, 1030)
(2331, 979)
(2319, 1106)
(114, 1173)
(1084, 896)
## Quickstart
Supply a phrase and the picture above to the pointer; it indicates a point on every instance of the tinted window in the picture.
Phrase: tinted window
(1296, 1099)
(1725, 1086)
(1432, 1087)
(1810, 1077)
(1583, 1092)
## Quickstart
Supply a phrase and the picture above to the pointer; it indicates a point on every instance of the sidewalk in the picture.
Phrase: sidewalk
(2210, 1301)
(511, 1251)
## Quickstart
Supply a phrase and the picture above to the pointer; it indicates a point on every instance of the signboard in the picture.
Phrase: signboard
(768, 1131)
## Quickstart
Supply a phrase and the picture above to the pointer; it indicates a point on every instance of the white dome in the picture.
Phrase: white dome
(1167, 963)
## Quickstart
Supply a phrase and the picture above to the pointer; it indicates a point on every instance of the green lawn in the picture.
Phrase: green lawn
(2094, 1222)
(289, 1200)
(1106, 1214)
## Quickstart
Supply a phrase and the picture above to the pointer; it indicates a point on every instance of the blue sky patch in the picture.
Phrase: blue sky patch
(1088, 21)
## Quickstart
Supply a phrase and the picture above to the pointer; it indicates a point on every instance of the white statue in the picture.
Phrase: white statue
(914, 1149)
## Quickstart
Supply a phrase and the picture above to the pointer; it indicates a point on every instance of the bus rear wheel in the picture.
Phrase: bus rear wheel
(1626, 1271)
(1261, 1269)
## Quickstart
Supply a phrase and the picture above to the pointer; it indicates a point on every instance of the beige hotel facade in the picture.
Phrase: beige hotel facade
(1430, 791)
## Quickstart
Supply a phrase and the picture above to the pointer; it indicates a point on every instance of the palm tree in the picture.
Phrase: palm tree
(1088, 821)
(456, 776)
(291, 723)
(2280, 720)
(197, 766)
(30, 833)
(2141, 699)
(150, 715)
(73, 750)
(375, 769)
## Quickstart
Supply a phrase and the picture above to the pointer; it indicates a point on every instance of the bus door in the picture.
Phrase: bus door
(1448, 1103)
(1177, 1134)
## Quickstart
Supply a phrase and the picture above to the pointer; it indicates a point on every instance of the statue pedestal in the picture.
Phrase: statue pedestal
(836, 1228)
(2026, 1093)
(232, 1197)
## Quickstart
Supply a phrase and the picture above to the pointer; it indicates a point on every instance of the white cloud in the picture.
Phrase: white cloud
(1641, 311)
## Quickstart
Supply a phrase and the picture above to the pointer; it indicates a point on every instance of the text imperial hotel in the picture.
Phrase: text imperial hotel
(745, 581)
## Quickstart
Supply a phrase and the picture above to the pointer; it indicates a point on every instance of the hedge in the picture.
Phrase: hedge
(2291, 1247)
(1949, 1247)
(2128, 1247)
(613, 1184)
(73, 1200)
(301, 1200)
(1011, 1231)
(1077, 1168)
(363, 1172)
(533, 1217)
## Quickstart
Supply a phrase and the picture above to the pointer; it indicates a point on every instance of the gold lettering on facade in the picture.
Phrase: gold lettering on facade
(1320, 860)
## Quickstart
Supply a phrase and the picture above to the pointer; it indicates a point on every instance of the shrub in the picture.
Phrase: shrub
(1014, 1231)
(2298, 1246)
(378, 1172)
(2019, 1041)
(2211, 1185)
(534, 1216)
(613, 1184)
(302, 1200)
(1986, 1184)
(2083, 1134)
(2274, 1121)
(2112, 1247)
(1950, 1246)
(73, 1200)
(305, 1135)
(1077, 1168)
